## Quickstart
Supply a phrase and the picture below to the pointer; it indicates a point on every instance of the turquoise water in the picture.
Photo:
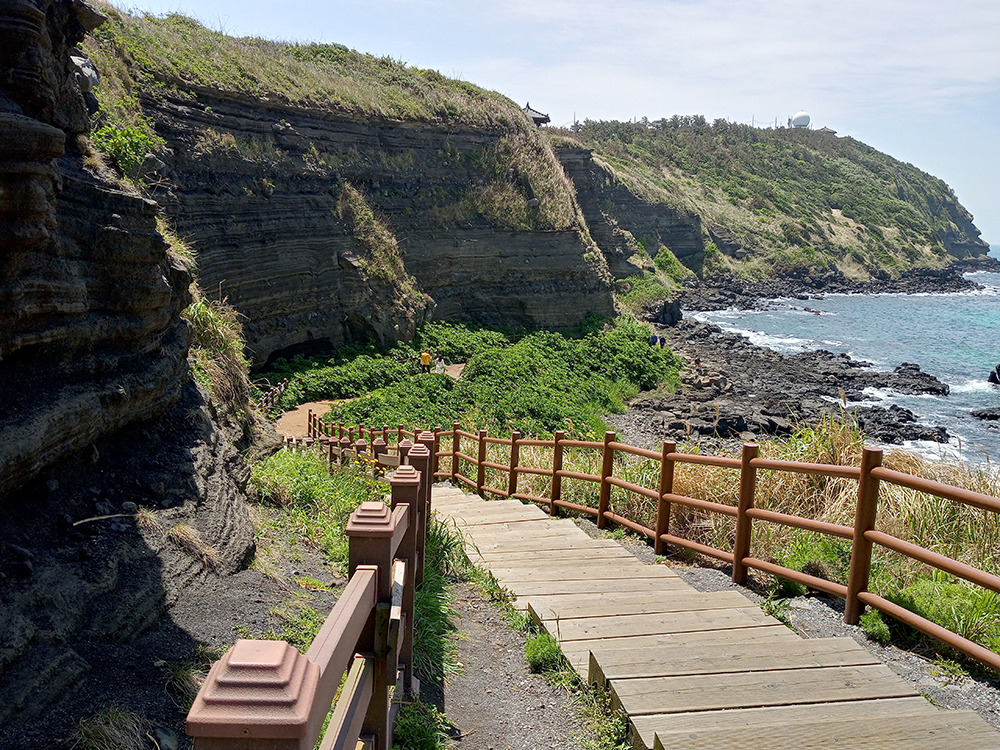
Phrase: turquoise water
(953, 336)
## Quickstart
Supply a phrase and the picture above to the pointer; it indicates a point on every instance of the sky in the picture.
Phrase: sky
(917, 79)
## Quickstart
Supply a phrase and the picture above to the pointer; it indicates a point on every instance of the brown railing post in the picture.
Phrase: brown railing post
(744, 524)
(345, 445)
(435, 450)
(420, 459)
(861, 548)
(385, 434)
(428, 440)
(404, 447)
(309, 423)
(607, 468)
(456, 447)
(515, 454)
(378, 447)
(400, 429)
(480, 464)
(405, 483)
(369, 533)
(666, 488)
(557, 463)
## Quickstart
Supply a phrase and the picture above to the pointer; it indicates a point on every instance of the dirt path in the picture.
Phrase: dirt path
(496, 703)
(293, 423)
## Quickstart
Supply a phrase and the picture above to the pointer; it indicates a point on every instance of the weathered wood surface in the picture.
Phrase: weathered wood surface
(696, 670)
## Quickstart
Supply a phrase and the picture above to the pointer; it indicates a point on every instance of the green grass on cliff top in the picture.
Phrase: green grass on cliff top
(175, 51)
(792, 197)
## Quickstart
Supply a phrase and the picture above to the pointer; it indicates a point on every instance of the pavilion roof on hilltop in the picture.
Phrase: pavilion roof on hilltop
(540, 118)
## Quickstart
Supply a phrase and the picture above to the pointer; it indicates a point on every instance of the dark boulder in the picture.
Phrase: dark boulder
(987, 414)
(896, 425)
(666, 314)
(994, 376)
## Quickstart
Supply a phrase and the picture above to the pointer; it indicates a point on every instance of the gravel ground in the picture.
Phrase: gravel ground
(495, 703)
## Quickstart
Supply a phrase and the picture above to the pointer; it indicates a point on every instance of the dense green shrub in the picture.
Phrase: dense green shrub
(542, 383)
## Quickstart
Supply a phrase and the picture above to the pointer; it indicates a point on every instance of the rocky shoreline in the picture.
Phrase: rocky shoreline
(734, 390)
(725, 291)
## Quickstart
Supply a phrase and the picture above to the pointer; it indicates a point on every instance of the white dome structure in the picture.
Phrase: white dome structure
(800, 120)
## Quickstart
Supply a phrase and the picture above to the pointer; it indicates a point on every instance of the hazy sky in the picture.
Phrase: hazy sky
(918, 79)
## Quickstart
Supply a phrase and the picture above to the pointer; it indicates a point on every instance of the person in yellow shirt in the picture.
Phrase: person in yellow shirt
(425, 361)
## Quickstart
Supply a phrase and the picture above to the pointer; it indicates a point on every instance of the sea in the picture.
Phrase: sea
(954, 336)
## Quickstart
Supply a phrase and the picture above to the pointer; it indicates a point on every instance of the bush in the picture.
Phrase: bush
(420, 726)
(127, 145)
(561, 383)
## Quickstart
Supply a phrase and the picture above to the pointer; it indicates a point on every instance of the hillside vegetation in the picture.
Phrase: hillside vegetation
(771, 200)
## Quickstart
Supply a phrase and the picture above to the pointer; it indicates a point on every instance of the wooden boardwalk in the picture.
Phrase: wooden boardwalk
(696, 670)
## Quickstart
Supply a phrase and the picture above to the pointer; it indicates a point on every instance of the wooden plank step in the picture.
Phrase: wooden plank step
(694, 658)
(619, 569)
(618, 626)
(543, 529)
(625, 603)
(548, 557)
(677, 728)
(946, 730)
(467, 502)
(662, 695)
(664, 584)
(547, 544)
(542, 532)
(478, 516)
(578, 652)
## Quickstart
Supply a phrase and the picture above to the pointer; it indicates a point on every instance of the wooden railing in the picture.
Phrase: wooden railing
(862, 535)
(272, 395)
(265, 694)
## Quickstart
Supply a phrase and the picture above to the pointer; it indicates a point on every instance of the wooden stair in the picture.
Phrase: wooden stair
(696, 670)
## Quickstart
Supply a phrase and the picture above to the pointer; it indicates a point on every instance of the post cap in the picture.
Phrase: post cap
(419, 451)
(405, 476)
(259, 689)
(371, 519)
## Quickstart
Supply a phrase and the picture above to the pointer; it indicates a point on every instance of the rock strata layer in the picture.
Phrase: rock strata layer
(256, 188)
(91, 337)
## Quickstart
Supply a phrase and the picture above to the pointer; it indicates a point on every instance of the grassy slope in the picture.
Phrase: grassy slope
(144, 57)
(792, 197)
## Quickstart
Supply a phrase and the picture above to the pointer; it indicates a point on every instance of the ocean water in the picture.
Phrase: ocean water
(955, 337)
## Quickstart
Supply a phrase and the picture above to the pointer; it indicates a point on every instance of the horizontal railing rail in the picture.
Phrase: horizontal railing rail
(473, 454)
(265, 694)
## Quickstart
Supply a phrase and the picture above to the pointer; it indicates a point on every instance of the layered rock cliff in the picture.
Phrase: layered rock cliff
(91, 337)
(257, 190)
(626, 226)
(102, 425)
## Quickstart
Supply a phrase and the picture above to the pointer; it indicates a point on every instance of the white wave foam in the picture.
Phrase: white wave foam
(973, 386)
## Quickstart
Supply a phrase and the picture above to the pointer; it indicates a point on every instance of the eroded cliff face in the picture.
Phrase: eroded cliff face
(91, 337)
(618, 218)
(101, 419)
(257, 189)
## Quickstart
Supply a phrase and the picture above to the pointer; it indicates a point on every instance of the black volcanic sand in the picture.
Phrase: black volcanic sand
(733, 390)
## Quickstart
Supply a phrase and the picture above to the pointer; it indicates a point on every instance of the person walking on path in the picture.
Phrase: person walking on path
(425, 361)
(439, 364)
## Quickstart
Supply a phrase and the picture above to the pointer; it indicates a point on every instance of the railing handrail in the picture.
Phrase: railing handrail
(862, 534)
(268, 691)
